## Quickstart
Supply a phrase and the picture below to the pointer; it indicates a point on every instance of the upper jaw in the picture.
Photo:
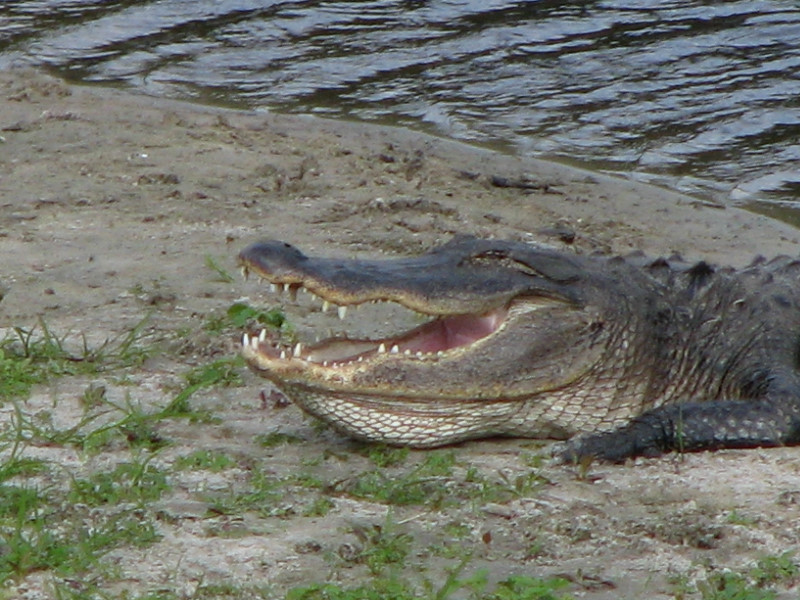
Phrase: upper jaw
(442, 282)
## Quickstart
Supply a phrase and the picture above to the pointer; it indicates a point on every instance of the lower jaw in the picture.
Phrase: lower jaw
(417, 422)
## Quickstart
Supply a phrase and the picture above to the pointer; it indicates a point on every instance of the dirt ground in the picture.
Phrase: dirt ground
(112, 204)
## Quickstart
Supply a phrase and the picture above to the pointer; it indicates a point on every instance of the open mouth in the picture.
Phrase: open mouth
(438, 338)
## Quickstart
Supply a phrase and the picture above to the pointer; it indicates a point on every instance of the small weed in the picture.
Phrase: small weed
(138, 428)
(516, 587)
(222, 275)
(17, 374)
(390, 589)
(457, 530)
(737, 518)
(757, 583)
(204, 460)
(94, 396)
(229, 591)
(43, 539)
(412, 488)
(386, 456)
(32, 356)
(14, 499)
(436, 482)
(772, 570)
(732, 586)
(319, 507)
(137, 483)
(382, 546)
(262, 496)
(439, 464)
(14, 466)
(223, 372)
(156, 294)
(40, 429)
(241, 315)
(522, 587)
(270, 440)
(270, 495)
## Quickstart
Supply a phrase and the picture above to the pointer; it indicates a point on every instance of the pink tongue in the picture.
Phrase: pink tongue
(451, 332)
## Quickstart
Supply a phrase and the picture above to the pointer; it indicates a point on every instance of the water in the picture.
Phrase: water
(703, 97)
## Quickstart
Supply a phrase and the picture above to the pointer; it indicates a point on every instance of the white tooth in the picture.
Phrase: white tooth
(283, 354)
(440, 353)
(286, 287)
(254, 343)
(342, 312)
(245, 340)
(245, 272)
(324, 363)
(395, 349)
(419, 354)
(407, 352)
(382, 348)
(273, 288)
(360, 359)
(325, 305)
(297, 349)
(262, 336)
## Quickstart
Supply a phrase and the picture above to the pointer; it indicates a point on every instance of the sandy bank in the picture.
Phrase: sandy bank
(111, 206)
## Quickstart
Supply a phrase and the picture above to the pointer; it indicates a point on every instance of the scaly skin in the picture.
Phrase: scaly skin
(532, 342)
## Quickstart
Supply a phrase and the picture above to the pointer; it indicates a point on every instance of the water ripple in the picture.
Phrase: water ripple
(700, 96)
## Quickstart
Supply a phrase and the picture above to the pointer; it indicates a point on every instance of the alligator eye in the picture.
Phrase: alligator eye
(500, 260)
(524, 268)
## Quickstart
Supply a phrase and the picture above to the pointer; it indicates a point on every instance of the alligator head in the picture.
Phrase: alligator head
(515, 336)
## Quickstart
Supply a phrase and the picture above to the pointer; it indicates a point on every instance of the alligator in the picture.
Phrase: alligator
(617, 357)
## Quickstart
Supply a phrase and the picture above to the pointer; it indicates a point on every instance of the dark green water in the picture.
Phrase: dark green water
(703, 97)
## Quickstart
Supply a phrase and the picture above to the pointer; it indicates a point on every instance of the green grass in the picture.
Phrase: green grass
(516, 587)
(65, 523)
(276, 438)
(222, 275)
(135, 482)
(224, 372)
(382, 546)
(435, 481)
(241, 316)
(131, 470)
(269, 495)
(755, 583)
(44, 533)
(385, 456)
(207, 460)
(37, 355)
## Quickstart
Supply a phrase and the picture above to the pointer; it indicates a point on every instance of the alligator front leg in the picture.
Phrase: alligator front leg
(694, 427)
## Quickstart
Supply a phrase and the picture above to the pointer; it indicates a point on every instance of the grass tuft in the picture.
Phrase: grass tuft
(35, 355)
